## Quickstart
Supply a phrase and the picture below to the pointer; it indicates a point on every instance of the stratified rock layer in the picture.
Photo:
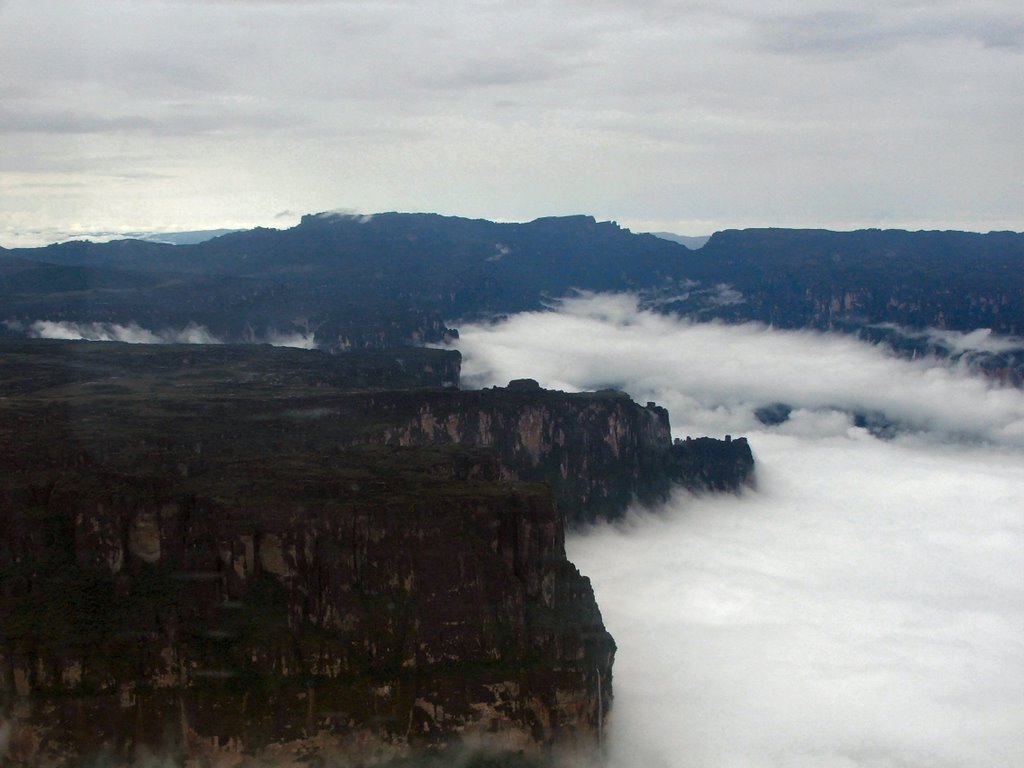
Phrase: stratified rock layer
(599, 451)
(368, 613)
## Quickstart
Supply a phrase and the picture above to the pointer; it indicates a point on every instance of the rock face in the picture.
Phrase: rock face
(597, 451)
(241, 559)
(809, 278)
(365, 619)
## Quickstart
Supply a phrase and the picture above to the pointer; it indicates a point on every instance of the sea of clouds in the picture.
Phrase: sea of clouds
(864, 606)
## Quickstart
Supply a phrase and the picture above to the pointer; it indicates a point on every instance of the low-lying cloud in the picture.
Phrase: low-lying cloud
(979, 341)
(863, 607)
(713, 376)
(133, 333)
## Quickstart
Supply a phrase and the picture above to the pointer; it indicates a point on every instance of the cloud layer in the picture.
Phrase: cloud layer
(713, 376)
(864, 607)
(667, 116)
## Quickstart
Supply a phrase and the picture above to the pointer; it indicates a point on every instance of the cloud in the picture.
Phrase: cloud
(830, 33)
(661, 115)
(863, 608)
(490, 72)
(297, 340)
(840, 32)
(848, 613)
(714, 376)
(184, 120)
(132, 333)
(977, 341)
(66, 121)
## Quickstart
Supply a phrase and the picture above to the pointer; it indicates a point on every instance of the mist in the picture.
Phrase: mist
(863, 606)
(133, 333)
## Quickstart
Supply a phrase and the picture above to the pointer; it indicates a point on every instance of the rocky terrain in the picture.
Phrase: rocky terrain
(248, 555)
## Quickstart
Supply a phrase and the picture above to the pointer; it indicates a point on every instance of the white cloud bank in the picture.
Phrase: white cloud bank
(712, 376)
(864, 607)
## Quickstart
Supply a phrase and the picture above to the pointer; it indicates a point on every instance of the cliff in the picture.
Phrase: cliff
(231, 554)
(907, 290)
(382, 609)
(599, 452)
(204, 556)
(810, 278)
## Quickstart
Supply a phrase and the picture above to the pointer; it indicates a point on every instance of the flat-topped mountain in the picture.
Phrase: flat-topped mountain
(391, 279)
(226, 552)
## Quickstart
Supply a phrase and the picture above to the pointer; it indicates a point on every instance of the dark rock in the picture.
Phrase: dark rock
(213, 559)
(524, 385)
(774, 414)
(599, 452)
(707, 464)
(214, 552)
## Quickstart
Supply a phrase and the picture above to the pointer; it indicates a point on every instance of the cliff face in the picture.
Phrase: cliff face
(706, 464)
(368, 618)
(226, 555)
(599, 452)
(217, 566)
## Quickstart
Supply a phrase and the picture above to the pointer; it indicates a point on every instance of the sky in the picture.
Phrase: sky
(129, 116)
(861, 607)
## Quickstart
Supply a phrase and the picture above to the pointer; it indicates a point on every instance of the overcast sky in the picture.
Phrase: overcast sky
(140, 115)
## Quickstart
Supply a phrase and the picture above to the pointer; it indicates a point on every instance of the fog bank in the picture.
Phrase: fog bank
(863, 607)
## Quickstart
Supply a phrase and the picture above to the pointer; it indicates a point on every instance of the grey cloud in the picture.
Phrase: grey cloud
(674, 115)
(165, 122)
(843, 32)
(69, 122)
(1008, 34)
(486, 73)
(993, 30)
(831, 33)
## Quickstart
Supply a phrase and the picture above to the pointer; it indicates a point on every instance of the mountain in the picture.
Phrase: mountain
(392, 279)
(224, 553)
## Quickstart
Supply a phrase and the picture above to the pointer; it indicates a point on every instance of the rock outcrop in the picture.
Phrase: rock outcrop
(598, 451)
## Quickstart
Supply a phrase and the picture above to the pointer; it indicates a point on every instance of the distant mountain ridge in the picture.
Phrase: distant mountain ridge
(185, 238)
(398, 278)
(690, 241)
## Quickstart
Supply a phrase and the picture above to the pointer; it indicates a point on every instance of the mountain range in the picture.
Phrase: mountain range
(393, 278)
